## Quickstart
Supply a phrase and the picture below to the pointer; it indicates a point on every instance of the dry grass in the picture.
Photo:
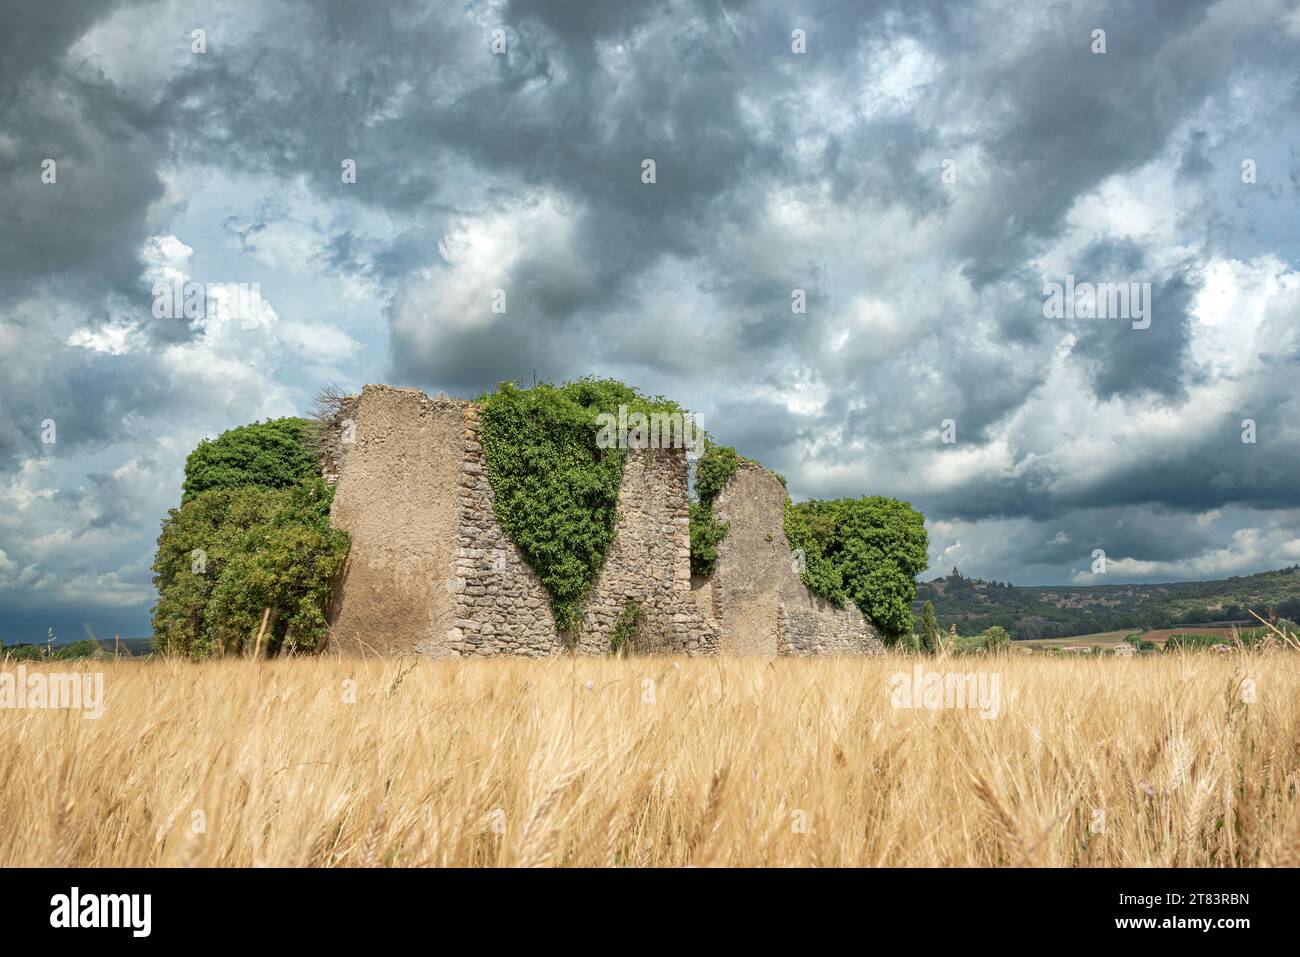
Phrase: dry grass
(726, 762)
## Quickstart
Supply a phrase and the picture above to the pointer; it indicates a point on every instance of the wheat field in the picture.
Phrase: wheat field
(659, 762)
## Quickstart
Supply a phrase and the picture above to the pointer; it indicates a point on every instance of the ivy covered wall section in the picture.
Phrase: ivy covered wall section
(555, 487)
(712, 472)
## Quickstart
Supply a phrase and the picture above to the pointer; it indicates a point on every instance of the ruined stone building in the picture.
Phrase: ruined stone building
(431, 573)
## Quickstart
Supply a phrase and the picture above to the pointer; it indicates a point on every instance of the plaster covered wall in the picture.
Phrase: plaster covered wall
(763, 607)
(396, 495)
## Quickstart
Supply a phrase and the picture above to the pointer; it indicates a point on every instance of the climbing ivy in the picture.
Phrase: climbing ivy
(556, 495)
(712, 472)
(816, 571)
(555, 489)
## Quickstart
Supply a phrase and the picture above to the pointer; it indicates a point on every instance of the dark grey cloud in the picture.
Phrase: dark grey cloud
(775, 171)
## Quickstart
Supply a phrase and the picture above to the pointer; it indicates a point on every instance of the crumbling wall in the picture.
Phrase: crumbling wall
(753, 561)
(336, 437)
(396, 496)
(649, 561)
(810, 625)
(503, 607)
(467, 589)
(432, 573)
(763, 607)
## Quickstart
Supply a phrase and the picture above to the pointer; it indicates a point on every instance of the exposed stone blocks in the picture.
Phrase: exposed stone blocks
(502, 606)
(649, 561)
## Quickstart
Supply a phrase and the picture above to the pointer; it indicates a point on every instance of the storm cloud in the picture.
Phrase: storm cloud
(916, 176)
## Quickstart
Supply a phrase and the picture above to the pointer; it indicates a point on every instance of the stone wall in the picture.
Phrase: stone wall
(809, 626)
(396, 495)
(432, 573)
(763, 608)
(467, 589)
(503, 607)
(649, 561)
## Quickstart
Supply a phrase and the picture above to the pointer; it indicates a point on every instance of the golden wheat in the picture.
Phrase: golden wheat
(329, 762)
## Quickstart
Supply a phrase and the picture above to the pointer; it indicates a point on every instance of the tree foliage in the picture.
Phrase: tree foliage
(271, 454)
(1062, 611)
(995, 640)
(229, 554)
(931, 634)
(85, 648)
(818, 572)
(867, 549)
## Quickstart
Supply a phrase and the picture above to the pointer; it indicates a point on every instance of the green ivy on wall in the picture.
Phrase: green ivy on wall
(555, 488)
(712, 472)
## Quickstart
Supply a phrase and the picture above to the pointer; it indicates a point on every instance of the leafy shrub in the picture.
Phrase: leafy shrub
(555, 491)
(931, 636)
(24, 652)
(991, 641)
(271, 454)
(1193, 641)
(1204, 641)
(228, 554)
(876, 546)
(995, 640)
(819, 573)
(37, 652)
(622, 637)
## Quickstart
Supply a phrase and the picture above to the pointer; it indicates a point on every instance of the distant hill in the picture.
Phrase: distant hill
(1051, 611)
(132, 647)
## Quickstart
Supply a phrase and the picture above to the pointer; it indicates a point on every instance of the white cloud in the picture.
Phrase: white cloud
(324, 343)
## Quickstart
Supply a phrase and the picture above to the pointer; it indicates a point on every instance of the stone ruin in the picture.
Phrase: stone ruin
(432, 574)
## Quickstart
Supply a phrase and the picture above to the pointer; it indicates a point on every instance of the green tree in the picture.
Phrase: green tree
(931, 635)
(995, 640)
(271, 454)
(227, 555)
(876, 545)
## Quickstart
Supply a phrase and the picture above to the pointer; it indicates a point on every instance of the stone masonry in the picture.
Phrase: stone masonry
(762, 606)
(431, 573)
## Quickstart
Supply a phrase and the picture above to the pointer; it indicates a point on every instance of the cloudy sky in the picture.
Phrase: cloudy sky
(921, 171)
